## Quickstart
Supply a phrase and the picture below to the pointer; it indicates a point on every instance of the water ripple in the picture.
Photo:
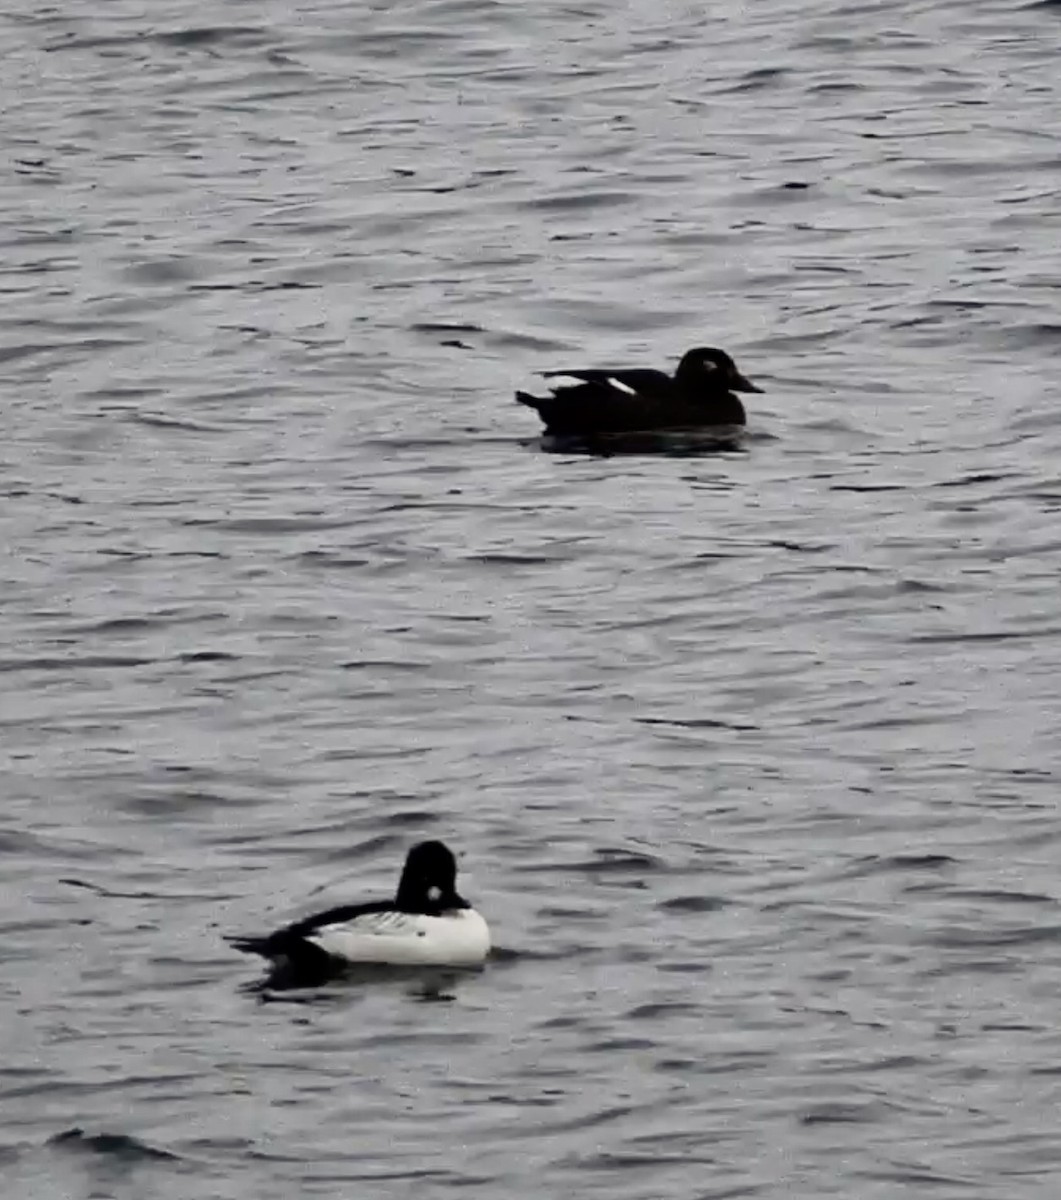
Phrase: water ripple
(748, 752)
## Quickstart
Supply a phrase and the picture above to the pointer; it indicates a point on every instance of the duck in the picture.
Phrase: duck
(700, 393)
(426, 923)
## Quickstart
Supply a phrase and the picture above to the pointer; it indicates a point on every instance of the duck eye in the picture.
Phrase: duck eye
(708, 365)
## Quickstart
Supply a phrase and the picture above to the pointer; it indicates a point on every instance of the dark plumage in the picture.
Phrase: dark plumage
(699, 394)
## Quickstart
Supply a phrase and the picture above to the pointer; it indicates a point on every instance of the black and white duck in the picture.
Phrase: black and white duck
(699, 394)
(426, 923)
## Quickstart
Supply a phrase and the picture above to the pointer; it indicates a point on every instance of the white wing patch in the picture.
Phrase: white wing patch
(621, 387)
(565, 381)
(380, 924)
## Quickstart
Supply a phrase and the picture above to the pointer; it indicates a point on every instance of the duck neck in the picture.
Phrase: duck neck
(416, 896)
(692, 376)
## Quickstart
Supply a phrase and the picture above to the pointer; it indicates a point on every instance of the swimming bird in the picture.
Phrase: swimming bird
(427, 923)
(700, 393)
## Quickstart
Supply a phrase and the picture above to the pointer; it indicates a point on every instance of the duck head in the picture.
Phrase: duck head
(714, 368)
(429, 879)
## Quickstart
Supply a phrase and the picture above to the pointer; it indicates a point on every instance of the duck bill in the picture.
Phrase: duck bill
(740, 383)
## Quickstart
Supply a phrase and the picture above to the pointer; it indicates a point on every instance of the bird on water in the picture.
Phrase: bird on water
(699, 394)
(426, 923)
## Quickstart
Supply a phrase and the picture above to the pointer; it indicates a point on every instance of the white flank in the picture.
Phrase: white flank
(457, 939)
(621, 387)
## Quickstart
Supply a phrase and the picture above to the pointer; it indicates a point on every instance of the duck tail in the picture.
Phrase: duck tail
(250, 945)
(530, 401)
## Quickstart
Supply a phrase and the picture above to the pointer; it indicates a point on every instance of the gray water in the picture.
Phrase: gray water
(750, 758)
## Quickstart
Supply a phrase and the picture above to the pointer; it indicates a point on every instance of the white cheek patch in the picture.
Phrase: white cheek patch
(621, 387)
(434, 894)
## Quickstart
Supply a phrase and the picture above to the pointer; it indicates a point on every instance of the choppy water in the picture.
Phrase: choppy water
(751, 758)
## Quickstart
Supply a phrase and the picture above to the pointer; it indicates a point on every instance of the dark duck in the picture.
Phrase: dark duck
(699, 394)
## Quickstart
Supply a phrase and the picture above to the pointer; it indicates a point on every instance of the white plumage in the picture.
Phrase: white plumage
(459, 938)
(564, 381)
(621, 387)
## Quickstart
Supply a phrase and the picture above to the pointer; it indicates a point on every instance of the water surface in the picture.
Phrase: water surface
(751, 757)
